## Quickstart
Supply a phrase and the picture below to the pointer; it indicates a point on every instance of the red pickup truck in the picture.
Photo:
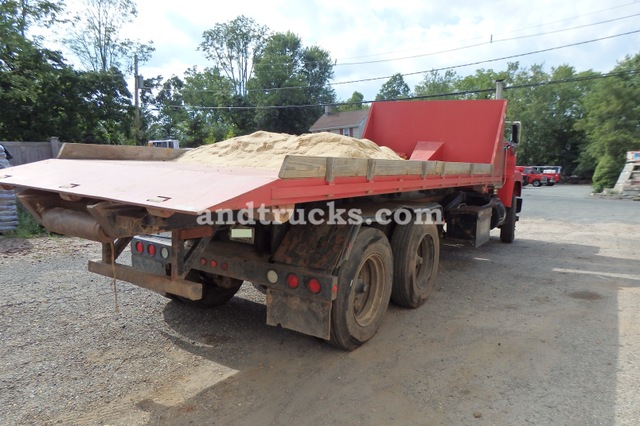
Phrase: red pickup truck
(531, 176)
(537, 177)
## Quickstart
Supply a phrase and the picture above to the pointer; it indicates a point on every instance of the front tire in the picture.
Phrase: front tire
(536, 183)
(364, 289)
(508, 228)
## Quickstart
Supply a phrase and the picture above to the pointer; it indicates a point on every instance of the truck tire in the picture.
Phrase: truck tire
(216, 289)
(536, 183)
(416, 256)
(364, 289)
(508, 228)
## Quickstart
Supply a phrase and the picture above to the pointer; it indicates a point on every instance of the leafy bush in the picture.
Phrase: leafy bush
(606, 173)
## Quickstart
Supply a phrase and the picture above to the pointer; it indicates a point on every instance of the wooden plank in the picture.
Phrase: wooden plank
(295, 167)
(344, 167)
(448, 168)
(298, 167)
(78, 151)
(398, 167)
(330, 175)
(481, 169)
(371, 169)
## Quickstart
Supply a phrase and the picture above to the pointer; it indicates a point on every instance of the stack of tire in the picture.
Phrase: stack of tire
(8, 211)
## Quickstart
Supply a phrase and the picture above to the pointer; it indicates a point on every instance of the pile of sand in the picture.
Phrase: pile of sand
(267, 150)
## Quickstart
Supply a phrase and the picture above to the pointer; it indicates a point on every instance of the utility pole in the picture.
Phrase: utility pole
(136, 97)
(499, 88)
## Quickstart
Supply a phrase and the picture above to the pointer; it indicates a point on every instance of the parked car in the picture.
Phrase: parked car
(551, 172)
(533, 177)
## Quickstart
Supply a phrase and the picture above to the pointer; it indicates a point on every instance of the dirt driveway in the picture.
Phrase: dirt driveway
(543, 331)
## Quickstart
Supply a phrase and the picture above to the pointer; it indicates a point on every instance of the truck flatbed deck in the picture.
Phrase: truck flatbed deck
(193, 188)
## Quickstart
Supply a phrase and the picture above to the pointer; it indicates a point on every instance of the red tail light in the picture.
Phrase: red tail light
(292, 281)
(213, 263)
(139, 247)
(151, 249)
(314, 286)
(224, 266)
(203, 261)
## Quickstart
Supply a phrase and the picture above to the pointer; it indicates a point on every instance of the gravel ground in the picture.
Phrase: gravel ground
(543, 331)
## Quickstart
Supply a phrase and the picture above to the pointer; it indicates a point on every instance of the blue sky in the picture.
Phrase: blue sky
(381, 30)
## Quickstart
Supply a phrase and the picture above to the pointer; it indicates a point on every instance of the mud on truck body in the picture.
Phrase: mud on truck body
(330, 280)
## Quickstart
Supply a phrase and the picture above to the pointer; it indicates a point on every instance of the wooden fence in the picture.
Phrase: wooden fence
(29, 152)
(22, 153)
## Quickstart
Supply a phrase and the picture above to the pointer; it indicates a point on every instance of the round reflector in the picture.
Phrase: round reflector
(224, 266)
(314, 286)
(272, 276)
(292, 281)
(213, 263)
(164, 252)
(203, 261)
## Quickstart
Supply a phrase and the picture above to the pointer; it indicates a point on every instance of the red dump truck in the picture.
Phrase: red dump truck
(375, 238)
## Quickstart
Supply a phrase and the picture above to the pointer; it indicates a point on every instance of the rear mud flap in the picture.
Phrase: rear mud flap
(301, 314)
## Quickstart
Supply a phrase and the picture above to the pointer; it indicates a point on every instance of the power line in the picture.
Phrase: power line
(445, 68)
(458, 66)
(439, 95)
(493, 41)
(489, 60)
(511, 32)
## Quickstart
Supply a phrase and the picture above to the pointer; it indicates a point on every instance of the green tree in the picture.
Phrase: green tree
(290, 83)
(611, 123)
(204, 93)
(170, 109)
(394, 88)
(25, 13)
(94, 36)
(353, 103)
(107, 110)
(481, 84)
(434, 84)
(41, 96)
(549, 111)
(233, 47)
(194, 110)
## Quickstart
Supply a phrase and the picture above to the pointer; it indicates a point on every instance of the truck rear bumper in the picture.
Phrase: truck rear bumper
(160, 284)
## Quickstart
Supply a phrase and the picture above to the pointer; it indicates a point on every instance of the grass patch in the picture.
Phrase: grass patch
(28, 226)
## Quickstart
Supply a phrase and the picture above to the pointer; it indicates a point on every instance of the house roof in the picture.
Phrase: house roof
(340, 120)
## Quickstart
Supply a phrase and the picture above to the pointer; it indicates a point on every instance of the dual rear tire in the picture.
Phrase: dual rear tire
(378, 270)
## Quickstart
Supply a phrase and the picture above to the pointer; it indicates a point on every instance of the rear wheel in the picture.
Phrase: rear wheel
(216, 289)
(416, 255)
(364, 289)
